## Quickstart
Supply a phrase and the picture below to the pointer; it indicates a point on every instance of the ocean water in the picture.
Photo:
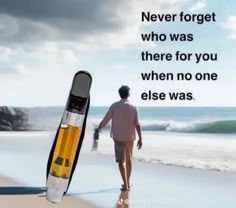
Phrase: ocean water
(212, 120)
(193, 137)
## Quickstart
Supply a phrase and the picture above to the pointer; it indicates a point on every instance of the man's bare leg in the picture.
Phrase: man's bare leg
(123, 175)
(128, 171)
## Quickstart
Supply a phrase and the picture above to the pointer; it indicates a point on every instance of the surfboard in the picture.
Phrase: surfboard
(69, 137)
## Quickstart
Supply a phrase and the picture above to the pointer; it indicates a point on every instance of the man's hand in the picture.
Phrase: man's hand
(139, 144)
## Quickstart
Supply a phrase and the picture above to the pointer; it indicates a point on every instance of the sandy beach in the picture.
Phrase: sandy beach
(153, 186)
(96, 181)
(15, 195)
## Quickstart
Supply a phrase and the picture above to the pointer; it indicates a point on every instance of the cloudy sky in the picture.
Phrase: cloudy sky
(43, 43)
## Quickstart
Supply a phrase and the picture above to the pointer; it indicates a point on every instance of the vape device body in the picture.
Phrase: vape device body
(69, 137)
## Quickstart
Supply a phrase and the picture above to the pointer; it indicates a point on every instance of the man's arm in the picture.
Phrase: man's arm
(138, 129)
(106, 119)
(140, 141)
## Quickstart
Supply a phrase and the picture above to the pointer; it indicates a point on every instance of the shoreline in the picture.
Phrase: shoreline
(153, 185)
(165, 185)
(170, 145)
(15, 194)
(97, 181)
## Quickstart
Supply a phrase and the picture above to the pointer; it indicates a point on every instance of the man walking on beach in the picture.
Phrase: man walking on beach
(125, 120)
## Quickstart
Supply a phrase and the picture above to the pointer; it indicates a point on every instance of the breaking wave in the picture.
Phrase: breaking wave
(214, 127)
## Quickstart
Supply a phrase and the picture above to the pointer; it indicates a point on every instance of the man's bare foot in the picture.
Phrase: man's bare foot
(124, 188)
(129, 186)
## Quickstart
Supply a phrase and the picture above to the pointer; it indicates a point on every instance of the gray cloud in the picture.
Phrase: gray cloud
(80, 21)
(5, 69)
(65, 9)
(33, 20)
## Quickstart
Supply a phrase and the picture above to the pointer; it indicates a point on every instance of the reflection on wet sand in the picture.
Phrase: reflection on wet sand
(123, 200)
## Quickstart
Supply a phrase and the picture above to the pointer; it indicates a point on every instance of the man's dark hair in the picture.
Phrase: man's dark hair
(124, 91)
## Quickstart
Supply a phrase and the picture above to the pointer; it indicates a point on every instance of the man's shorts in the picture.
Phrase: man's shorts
(123, 151)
